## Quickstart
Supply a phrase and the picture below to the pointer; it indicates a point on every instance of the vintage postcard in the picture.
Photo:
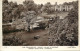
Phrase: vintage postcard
(39, 25)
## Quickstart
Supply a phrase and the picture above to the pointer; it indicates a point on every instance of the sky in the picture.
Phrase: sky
(44, 1)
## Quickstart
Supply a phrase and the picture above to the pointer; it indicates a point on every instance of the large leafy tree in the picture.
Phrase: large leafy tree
(8, 10)
(73, 14)
(11, 10)
(30, 18)
(47, 8)
(5, 1)
(29, 5)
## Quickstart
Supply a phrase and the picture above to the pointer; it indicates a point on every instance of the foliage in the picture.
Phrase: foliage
(47, 8)
(30, 6)
(9, 11)
(30, 18)
(65, 32)
(73, 14)
(9, 29)
(12, 41)
(13, 10)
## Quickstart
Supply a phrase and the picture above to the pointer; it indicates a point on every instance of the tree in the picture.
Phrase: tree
(65, 32)
(73, 14)
(5, 1)
(30, 18)
(29, 5)
(39, 7)
(9, 11)
(47, 8)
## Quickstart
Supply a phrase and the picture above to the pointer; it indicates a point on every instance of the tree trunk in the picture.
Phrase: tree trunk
(28, 28)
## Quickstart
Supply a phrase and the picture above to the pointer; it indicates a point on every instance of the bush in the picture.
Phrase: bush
(13, 41)
(9, 29)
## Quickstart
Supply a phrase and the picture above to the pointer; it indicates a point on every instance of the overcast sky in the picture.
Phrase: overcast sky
(44, 1)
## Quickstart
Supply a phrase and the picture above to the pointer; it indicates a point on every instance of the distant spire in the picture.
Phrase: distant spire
(55, 3)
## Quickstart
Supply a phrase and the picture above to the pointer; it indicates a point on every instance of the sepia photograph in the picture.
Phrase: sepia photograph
(40, 23)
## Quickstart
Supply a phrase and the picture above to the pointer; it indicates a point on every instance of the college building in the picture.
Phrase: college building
(62, 7)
